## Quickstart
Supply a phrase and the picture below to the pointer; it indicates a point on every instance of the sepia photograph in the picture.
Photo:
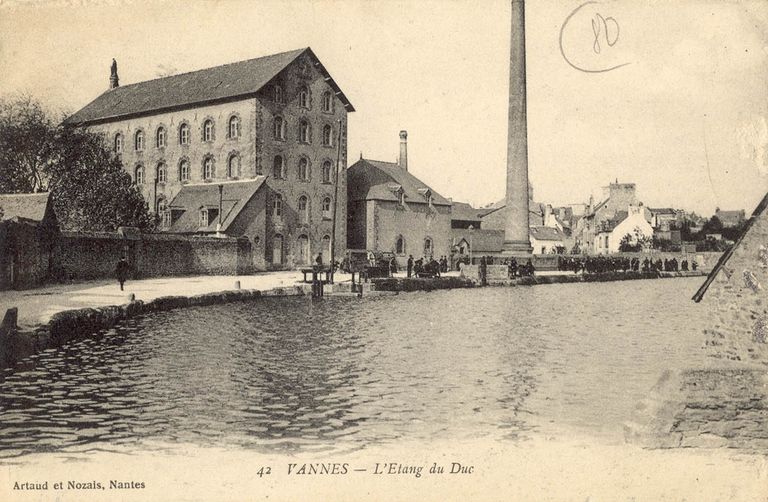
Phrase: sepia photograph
(387, 250)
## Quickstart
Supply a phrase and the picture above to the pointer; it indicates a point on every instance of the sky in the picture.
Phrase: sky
(684, 115)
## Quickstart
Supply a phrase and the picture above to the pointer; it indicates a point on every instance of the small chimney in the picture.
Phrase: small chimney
(403, 161)
(547, 214)
(114, 80)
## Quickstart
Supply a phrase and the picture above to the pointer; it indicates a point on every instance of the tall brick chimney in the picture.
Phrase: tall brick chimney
(403, 161)
(114, 80)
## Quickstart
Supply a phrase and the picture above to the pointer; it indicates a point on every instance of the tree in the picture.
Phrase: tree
(89, 188)
(635, 242)
(628, 244)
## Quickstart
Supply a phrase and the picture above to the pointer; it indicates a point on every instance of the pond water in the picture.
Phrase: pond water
(340, 374)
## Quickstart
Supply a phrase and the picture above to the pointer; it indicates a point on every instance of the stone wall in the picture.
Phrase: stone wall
(414, 222)
(25, 255)
(82, 255)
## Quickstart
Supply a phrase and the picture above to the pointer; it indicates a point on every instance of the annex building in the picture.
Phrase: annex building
(246, 149)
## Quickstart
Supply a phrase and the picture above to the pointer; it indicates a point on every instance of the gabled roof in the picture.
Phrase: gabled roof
(662, 210)
(480, 240)
(375, 180)
(221, 83)
(546, 233)
(192, 198)
(464, 212)
(757, 213)
(29, 206)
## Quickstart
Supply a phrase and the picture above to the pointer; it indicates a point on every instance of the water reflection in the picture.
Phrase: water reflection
(343, 374)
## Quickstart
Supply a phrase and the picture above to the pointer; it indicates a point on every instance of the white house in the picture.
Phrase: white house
(633, 221)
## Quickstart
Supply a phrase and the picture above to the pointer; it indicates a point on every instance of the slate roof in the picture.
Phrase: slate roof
(221, 83)
(662, 210)
(480, 240)
(761, 208)
(464, 212)
(377, 180)
(546, 233)
(191, 198)
(29, 206)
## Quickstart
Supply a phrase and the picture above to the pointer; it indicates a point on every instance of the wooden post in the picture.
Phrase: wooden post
(335, 202)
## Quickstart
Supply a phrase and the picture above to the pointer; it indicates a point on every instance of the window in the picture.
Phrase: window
(208, 169)
(327, 102)
(326, 249)
(118, 143)
(428, 247)
(400, 245)
(327, 135)
(138, 142)
(160, 137)
(234, 127)
(161, 173)
(278, 167)
(208, 130)
(305, 135)
(327, 208)
(277, 249)
(139, 175)
(401, 196)
(278, 94)
(277, 206)
(304, 97)
(184, 170)
(233, 166)
(167, 219)
(303, 209)
(303, 254)
(303, 169)
(184, 134)
(327, 171)
(203, 217)
(279, 128)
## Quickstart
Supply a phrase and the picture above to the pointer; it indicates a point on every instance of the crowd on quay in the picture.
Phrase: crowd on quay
(423, 267)
(601, 264)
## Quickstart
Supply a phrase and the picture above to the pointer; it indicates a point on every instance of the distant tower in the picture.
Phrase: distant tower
(516, 231)
(403, 160)
(114, 80)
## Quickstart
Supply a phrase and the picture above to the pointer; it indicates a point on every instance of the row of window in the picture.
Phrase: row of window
(208, 170)
(305, 98)
(302, 206)
(305, 131)
(400, 246)
(303, 251)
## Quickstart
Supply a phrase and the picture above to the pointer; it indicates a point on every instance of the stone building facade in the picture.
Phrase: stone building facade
(280, 117)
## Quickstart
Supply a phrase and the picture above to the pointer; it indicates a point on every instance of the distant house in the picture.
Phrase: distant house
(389, 209)
(546, 240)
(730, 219)
(476, 243)
(736, 292)
(463, 215)
(28, 235)
(609, 233)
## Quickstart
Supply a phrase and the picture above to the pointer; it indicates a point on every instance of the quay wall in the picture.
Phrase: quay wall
(94, 255)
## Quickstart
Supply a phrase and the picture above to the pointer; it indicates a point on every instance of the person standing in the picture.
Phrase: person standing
(410, 265)
(122, 270)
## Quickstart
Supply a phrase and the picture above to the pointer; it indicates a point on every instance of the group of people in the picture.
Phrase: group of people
(601, 264)
(514, 270)
(426, 266)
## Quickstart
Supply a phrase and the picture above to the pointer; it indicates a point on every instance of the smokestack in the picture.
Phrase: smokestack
(114, 80)
(403, 161)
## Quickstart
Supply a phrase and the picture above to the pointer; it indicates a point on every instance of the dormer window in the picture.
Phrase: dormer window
(203, 217)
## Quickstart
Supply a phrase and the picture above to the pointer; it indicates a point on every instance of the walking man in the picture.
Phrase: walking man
(122, 270)
(410, 265)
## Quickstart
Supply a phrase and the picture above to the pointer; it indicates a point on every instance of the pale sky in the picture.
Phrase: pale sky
(686, 119)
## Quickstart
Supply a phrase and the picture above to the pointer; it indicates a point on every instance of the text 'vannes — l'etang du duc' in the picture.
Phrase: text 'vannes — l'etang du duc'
(388, 468)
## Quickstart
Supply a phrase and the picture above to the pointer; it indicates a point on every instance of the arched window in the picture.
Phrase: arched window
(303, 169)
(326, 249)
(184, 134)
(184, 170)
(278, 167)
(139, 175)
(233, 166)
(327, 171)
(162, 205)
(208, 169)
(327, 208)
(161, 173)
(278, 128)
(234, 127)
(327, 135)
(118, 143)
(277, 206)
(160, 137)
(278, 94)
(208, 130)
(428, 247)
(400, 245)
(139, 141)
(303, 253)
(303, 209)
(327, 102)
(304, 97)
(305, 132)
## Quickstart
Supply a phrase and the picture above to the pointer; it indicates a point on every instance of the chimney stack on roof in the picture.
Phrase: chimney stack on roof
(403, 161)
(114, 80)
